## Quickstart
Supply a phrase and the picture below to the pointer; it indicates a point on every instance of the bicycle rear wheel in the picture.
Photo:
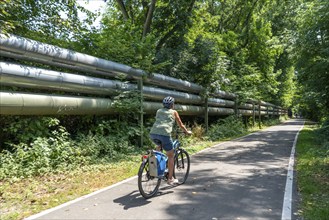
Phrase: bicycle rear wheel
(182, 166)
(148, 185)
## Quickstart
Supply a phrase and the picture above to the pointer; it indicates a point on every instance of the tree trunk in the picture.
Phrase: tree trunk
(148, 21)
(123, 9)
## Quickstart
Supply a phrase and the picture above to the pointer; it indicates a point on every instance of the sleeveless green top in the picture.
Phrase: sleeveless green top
(164, 122)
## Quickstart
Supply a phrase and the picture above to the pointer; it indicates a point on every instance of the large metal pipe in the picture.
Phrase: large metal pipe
(14, 103)
(220, 111)
(26, 48)
(245, 106)
(37, 104)
(36, 59)
(223, 94)
(151, 108)
(30, 77)
(220, 102)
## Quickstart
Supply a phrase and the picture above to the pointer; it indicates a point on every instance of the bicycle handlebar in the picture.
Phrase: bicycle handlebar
(179, 132)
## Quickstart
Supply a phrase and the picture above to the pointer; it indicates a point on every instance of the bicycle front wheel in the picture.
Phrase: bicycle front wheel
(182, 166)
(148, 185)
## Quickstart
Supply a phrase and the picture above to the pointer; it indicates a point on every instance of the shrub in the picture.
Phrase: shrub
(55, 150)
(43, 155)
(324, 131)
(20, 129)
(228, 127)
(198, 131)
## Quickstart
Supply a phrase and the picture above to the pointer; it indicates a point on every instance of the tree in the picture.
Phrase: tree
(45, 20)
(313, 63)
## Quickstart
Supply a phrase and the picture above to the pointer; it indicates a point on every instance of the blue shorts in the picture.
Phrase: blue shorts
(166, 141)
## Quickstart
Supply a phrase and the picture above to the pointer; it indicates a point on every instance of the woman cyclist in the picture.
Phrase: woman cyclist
(161, 132)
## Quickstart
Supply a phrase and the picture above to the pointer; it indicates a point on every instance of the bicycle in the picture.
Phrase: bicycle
(149, 182)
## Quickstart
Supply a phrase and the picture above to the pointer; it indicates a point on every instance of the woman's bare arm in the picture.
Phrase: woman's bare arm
(180, 123)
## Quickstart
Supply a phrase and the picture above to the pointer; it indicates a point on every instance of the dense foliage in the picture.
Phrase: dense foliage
(312, 61)
(231, 126)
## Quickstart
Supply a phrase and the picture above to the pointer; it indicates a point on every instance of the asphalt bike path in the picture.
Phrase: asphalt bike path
(244, 178)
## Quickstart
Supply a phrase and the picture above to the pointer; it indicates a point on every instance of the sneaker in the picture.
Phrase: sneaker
(172, 181)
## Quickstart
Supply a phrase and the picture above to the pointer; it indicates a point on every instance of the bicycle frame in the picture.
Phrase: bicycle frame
(176, 147)
(148, 185)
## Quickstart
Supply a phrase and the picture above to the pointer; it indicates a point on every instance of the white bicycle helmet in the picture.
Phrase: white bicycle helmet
(168, 102)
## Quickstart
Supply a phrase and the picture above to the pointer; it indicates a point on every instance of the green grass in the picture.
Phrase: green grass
(22, 198)
(313, 174)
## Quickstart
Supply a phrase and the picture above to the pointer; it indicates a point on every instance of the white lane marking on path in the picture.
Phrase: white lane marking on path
(78, 199)
(287, 200)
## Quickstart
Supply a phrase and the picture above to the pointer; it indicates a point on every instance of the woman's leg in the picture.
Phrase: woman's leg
(170, 155)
